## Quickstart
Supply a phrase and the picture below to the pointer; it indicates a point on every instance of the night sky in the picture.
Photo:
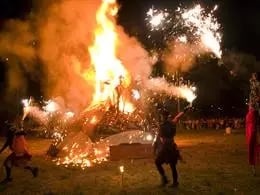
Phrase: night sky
(241, 33)
(240, 21)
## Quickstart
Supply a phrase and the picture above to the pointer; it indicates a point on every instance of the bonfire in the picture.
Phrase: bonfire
(119, 106)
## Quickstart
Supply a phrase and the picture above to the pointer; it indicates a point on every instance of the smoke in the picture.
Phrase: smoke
(181, 56)
(59, 34)
(240, 64)
(65, 30)
(134, 57)
(161, 85)
(16, 39)
(16, 48)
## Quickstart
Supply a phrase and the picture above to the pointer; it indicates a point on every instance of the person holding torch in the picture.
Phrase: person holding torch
(165, 148)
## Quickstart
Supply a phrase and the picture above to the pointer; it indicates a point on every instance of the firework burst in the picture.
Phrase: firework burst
(204, 26)
(194, 26)
(157, 19)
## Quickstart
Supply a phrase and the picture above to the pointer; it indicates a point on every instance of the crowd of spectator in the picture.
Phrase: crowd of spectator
(214, 123)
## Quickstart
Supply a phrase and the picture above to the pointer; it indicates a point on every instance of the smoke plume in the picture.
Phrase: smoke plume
(181, 56)
(16, 48)
(134, 57)
(240, 64)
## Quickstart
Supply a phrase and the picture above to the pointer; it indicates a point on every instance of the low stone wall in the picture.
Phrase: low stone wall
(131, 151)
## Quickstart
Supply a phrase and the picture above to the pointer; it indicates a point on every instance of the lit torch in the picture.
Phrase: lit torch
(26, 107)
(121, 169)
(188, 93)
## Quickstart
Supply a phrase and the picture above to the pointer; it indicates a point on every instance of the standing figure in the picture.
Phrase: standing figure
(20, 157)
(253, 121)
(119, 90)
(165, 148)
(251, 138)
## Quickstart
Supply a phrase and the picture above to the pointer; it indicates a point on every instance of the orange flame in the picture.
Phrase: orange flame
(93, 120)
(110, 74)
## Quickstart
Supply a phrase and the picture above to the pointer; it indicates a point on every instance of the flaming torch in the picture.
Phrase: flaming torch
(188, 93)
(26, 107)
(121, 169)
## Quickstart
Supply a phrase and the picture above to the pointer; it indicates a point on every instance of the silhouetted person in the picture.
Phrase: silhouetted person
(119, 90)
(166, 149)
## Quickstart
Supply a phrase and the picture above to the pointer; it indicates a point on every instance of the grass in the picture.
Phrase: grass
(216, 164)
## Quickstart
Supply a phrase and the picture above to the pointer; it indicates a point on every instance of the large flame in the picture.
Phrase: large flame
(111, 77)
(112, 82)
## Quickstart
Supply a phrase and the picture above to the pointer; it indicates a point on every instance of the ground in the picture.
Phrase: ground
(216, 164)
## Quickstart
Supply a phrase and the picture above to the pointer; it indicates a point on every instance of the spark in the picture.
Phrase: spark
(136, 94)
(181, 91)
(205, 26)
(25, 102)
(196, 25)
(69, 114)
(93, 120)
(157, 18)
(182, 39)
(51, 106)
(187, 93)
(126, 107)
(193, 88)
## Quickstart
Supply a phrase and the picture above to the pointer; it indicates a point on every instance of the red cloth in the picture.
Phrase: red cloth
(251, 137)
(19, 145)
(250, 124)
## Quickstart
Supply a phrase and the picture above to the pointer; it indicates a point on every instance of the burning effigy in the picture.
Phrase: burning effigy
(121, 87)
